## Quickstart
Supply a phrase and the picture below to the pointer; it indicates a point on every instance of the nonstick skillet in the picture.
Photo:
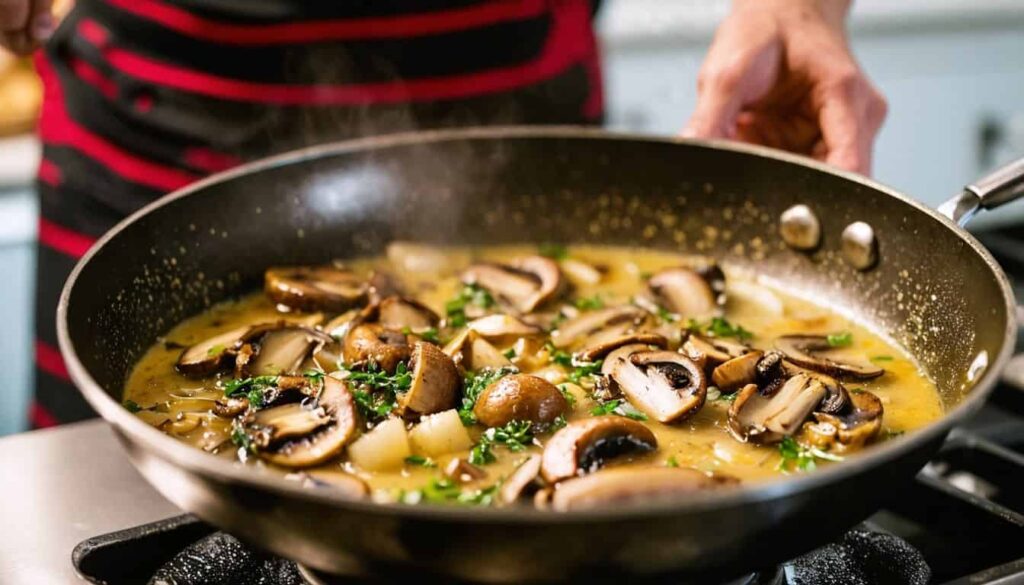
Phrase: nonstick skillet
(909, 272)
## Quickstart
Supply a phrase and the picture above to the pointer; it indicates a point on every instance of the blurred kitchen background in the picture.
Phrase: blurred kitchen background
(952, 70)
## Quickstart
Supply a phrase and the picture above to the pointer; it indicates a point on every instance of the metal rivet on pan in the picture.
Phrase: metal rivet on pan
(860, 247)
(800, 228)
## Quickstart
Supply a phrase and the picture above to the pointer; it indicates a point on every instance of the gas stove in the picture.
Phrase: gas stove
(74, 507)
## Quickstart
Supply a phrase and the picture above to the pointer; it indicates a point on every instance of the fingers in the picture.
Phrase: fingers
(851, 112)
(25, 24)
(740, 68)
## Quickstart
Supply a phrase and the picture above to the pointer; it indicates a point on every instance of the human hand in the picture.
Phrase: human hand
(25, 24)
(780, 73)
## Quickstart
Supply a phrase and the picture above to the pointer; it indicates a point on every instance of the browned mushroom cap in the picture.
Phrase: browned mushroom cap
(283, 351)
(695, 294)
(630, 484)
(592, 353)
(524, 285)
(372, 343)
(584, 445)
(398, 313)
(209, 355)
(518, 484)
(665, 385)
(710, 352)
(857, 426)
(520, 397)
(435, 382)
(471, 351)
(737, 372)
(758, 418)
(807, 350)
(588, 323)
(463, 471)
(315, 288)
(336, 411)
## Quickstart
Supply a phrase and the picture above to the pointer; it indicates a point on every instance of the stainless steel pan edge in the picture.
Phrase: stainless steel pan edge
(148, 446)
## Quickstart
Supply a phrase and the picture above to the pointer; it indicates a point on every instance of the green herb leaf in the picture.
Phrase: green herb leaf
(796, 456)
(604, 408)
(254, 388)
(216, 350)
(584, 370)
(881, 358)
(430, 334)
(841, 339)
(667, 316)
(132, 406)
(376, 392)
(515, 436)
(618, 407)
(718, 327)
(420, 461)
(475, 383)
(240, 438)
(470, 294)
(554, 251)
(446, 491)
(589, 303)
(671, 461)
(569, 397)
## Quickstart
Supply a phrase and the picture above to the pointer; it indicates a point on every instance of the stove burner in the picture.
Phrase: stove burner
(907, 543)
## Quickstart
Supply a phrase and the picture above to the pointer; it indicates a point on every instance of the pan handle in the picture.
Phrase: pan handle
(1003, 185)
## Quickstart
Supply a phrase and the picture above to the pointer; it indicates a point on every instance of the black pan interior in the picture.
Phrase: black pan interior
(931, 291)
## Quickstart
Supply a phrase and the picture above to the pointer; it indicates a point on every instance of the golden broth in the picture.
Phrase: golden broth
(703, 442)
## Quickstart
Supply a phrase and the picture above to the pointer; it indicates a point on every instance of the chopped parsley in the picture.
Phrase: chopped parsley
(841, 339)
(132, 406)
(470, 294)
(719, 327)
(515, 436)
(892, 434)
(428, 334)
(447, 491)
(881, 358)
(671, 461)
(667, 316)
(801, 457)
(618, 407)
(510, 353)
(554, 251)
(589, 303)
(376, 392)
(558, 356)
(216, 350)
(474, 385)
(420, 461)
(240, 438)
(584, 370)
(253, 388)
(568, 395)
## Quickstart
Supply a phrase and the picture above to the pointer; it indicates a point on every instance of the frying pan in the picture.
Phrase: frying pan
(934, 290)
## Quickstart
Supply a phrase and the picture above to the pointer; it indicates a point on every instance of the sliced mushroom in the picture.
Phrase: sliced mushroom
(337, 480)
(398, 313)
(339, 326)
(471, 351)
(283, 351)
(807, 351)
(463, 471)
(695, 294)
(518, 484)
(209, 355)
(711, 352)
(524, 285)
(737, 372)
(502, 326)
(317, 288)
(758, 418)
(589, 322)
(435, 382)
(665, 385)
(370, 342)
(852, 429)
(230, 406)
(288, 421)
(584, 445)
(581, 273)
(326, 441)
(623, 485)
(520, 397)
(595, 352)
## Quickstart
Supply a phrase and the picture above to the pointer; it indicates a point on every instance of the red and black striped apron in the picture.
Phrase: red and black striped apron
(146, 96)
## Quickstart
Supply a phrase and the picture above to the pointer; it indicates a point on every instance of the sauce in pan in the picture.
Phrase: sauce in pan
(570, 355)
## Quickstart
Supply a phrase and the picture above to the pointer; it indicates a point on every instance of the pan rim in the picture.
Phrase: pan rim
(195, 461)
